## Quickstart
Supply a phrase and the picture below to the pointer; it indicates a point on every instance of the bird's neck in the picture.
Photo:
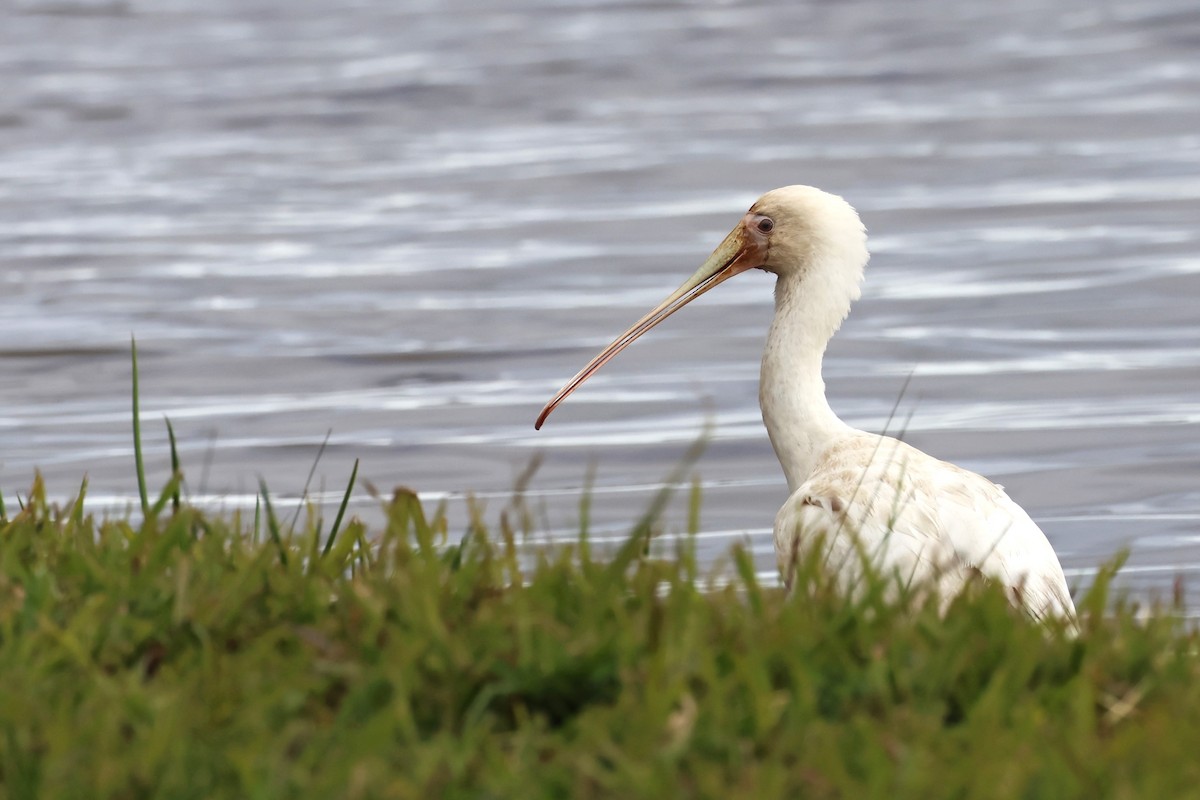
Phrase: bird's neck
(791, 393)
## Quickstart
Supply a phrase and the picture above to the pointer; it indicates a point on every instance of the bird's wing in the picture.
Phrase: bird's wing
(920, 519)
(861, 502)
(994, 534)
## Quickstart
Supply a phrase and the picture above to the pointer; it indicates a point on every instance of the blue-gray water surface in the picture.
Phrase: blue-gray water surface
(409, 223)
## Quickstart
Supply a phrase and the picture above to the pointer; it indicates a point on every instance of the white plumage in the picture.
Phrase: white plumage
(860, 494)
(917, 519)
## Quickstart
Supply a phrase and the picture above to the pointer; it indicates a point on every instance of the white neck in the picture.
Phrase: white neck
(791, 391)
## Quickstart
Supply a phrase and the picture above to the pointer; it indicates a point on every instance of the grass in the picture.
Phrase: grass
(185, 655)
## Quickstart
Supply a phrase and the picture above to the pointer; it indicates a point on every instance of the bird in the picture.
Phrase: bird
(859, 500)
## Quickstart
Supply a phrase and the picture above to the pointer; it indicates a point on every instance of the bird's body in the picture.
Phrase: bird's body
(861, 496)
(919, 520)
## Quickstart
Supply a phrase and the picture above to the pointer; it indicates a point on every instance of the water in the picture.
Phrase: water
(409, 223)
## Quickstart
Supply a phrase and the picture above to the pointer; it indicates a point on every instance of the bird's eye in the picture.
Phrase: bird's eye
(766, 224)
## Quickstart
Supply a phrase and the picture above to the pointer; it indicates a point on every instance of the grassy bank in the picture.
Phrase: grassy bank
(179, 654)
(195, 656)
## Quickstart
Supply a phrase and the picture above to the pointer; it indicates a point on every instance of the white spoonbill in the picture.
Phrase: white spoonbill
(862, 495)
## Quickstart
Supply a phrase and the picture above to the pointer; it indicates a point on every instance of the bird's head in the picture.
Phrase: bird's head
(799, 233)
(802, 228)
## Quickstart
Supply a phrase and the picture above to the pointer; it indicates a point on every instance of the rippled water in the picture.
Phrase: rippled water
(409, 223)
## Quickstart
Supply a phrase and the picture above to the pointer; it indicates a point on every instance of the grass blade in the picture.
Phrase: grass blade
(585, 512)
(77, 507)
(174, 464)
(337, 521)
(137, 433)
(694, 500)
(169, 492)
(273, 523)
(308, 481)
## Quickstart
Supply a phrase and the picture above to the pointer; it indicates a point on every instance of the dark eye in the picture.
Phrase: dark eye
(766, 224)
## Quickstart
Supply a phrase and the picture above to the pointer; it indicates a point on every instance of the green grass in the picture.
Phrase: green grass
(187, 655)
(183, 657)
